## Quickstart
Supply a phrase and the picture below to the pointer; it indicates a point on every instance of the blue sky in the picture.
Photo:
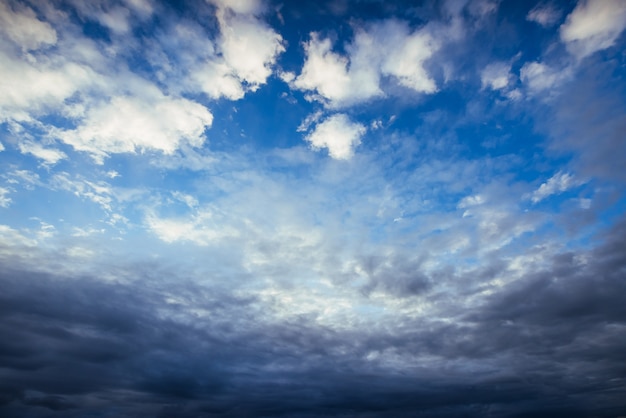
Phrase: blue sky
(317, 208)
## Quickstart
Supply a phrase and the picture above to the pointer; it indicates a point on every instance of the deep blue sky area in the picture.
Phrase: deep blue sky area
(352, 208)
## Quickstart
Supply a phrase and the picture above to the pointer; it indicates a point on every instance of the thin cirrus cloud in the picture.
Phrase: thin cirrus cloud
(263, 208)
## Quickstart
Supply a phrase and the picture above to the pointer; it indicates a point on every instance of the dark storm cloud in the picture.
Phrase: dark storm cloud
(549, 344)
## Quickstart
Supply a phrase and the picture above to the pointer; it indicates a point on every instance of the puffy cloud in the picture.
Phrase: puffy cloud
(249, 46)
(245, 52)
(49, 156)
(539, 77)
(203, 228)
(326, 72)
(338, 134)
(545, 14)
(4, 200)
(558, 183)
(496, 76)
(406, 62)
(594, 25)
(127, 124)
(31, 89)
(384, 49)
(20, 24)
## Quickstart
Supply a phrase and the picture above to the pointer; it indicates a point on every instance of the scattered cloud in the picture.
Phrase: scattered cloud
(384, 49)
(5, 201)
(496, 76)
(544, 14)
(49, 156)
(558, 183)
(594, 25)
(540, 78)
(338, 134)
(128, 124)
(20, 24)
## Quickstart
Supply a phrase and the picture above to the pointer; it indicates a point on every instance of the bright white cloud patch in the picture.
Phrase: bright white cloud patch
(31, 89)
(338, 134)
(245, 52)
(128, 124)
(48, 155)
(249, 46)
(558, 183)
(203, 228)
(545, 14)
(384, 49)
(594, 25)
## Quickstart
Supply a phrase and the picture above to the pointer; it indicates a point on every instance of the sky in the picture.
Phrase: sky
(351, 208)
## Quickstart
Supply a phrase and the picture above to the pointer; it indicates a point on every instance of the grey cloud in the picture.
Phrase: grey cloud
(548, 344)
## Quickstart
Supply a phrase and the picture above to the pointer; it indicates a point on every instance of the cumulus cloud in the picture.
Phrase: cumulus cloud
(204, 227)
(539, 77)
(496, 76)
(594, 25)
(249, 46)
(128, 124)
(32, 89)
(20, 24)
(545, 14)
(384, 49)
(558, 183)
(338, 134)
(49, 156)
(5, 201)
(241, 59)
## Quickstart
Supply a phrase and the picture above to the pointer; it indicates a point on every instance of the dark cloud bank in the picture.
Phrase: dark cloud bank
(551, 344)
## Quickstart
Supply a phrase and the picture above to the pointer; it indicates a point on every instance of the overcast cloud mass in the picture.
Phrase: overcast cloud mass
(347, 208)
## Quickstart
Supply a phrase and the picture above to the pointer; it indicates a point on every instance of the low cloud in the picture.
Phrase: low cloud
(558, 183)
(384, 49)
(594, 25)
(338, 134)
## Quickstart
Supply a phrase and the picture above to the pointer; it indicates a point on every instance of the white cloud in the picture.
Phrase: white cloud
(544, 14)
(325, 72)
(187, 199)
(310, 120)
(202, 228)
(1, 147)
(99, 193)
(29, 89)
(384, 49)
(128, 124)
(472, 200)
(338, 134)
(217, 80)
(23, 27)
(594, 25)
(496, 76)
(253, 7)
(540, 77)
(406, 62)
(558, 183)
(49, 156)
(4, 200)
(240, 60)
(250, 47)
